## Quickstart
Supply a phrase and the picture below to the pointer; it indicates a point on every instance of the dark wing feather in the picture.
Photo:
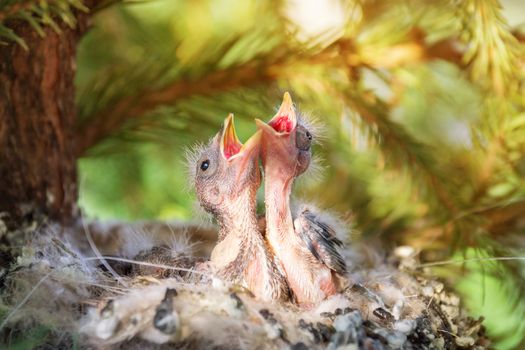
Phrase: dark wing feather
(321, 240)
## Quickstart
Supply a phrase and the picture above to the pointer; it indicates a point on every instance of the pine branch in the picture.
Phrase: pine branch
(260, 70)
(39, 14)
(395, 140)
(15, 9)
(494, 51)
(189, 119)
(109, 120)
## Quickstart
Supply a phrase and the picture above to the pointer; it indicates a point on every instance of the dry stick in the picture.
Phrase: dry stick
(162, 266)
(449, 262)
(99, 255)
(103, 286)
(445, 331)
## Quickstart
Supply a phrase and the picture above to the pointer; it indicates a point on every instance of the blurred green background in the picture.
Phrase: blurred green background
(422, 102)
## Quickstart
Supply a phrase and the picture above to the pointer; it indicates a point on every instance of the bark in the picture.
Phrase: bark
(37, 114)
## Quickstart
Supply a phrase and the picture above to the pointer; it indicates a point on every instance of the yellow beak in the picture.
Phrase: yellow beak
(230, 144)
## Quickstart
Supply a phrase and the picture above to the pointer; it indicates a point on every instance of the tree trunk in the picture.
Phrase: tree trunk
(37, 115)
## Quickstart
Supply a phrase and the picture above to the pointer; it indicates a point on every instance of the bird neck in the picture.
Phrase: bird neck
(279, 222)
(240, 255)
(240, 217)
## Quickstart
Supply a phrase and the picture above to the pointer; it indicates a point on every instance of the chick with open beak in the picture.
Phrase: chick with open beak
(227, 176)
(305, 247)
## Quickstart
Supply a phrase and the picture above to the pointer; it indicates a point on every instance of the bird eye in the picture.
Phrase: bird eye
(303, 138)
(308, 135)
(205, 165)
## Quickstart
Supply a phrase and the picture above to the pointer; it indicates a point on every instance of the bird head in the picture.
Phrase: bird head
(227, 169)
(286, 142)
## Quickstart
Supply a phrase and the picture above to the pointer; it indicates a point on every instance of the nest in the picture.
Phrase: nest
(155, 297)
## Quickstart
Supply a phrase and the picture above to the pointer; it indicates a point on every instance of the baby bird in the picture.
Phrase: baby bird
(306, 246)
(227, 176)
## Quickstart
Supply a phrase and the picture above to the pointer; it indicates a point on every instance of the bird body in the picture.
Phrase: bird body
(241, 256)
(296, 253)
(305, 247)
(309, 278)
(227, 176)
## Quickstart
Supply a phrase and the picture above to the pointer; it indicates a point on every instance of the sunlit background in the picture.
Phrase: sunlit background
(422, 102)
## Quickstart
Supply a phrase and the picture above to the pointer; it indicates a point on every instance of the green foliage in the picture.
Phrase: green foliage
(423, 104)
(495, 291)
(38, 14)
(29, 340)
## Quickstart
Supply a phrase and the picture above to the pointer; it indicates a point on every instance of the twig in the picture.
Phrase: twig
(162, 266)
(449, 262)
(99, 255)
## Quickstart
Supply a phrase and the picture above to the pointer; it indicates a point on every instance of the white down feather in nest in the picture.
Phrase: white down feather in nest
(57, 285)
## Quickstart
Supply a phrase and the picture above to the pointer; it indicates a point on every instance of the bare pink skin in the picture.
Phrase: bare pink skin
(227, 177)
(241, 255)
(310, 280)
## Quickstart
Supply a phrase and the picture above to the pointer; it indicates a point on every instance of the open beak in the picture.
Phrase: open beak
(234, 151)
(230, 144)
(276, 133)
(285, 120)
